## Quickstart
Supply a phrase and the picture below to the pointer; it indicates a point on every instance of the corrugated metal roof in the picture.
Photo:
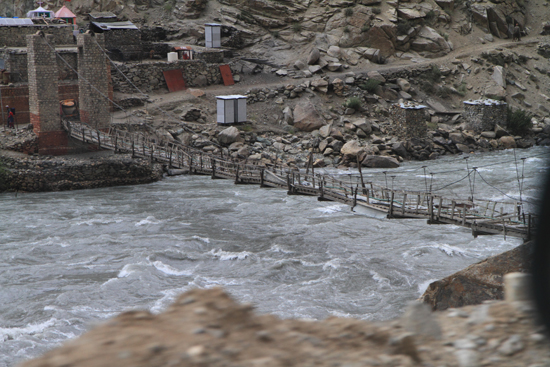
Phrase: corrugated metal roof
(104, 14)
(15, 21)
(114, 25)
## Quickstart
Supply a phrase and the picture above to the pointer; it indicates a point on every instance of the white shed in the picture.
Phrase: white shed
(213, 35)
(231, 109)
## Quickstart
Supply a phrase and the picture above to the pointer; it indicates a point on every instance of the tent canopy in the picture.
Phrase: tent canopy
(39, 12)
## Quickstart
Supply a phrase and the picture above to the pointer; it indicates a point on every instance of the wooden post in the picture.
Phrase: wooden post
(464, 215)
(439, 208)
(170, 162)
(190, 164)
(152, 151)
(237, 175)
(116, 142)
(403, 205)
(390, 214)
(417, 204)
(354, 199)
(431, 208)
(493, 212)
(262, 177)
(321, 191)
(289, 191)
(361, 175)
(201, 160)
(504, 227)
(213, 164)
(529, 226)
(453, 210)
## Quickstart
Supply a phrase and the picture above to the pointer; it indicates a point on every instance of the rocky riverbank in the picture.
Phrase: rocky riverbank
(478, 282)
(21, 172)
(207, 328)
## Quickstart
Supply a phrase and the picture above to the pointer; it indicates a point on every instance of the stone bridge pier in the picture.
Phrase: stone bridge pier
(44, 105)
(93, 82)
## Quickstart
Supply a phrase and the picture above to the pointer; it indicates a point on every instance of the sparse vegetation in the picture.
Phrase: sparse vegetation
(444, 35)
(431, 16)
(434, 74)
(353, 102)
(297, 27)
(370, 86)
(518, 121)
(348, 12)
(376, 10)
(346, 29)
(444, 92)
(403, 27)
(461, 89)
(168, 6)
(275, 34)
(245, 127)
(366, 27)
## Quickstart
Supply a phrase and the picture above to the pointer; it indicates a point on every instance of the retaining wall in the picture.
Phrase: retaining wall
(14, 36)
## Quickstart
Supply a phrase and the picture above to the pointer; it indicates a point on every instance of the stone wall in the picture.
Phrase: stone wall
(409, 122)
(15, 36)
(36, 174)
(124, 44)
(149, 76)
(483, 115)
(16, 64)
(210, 57)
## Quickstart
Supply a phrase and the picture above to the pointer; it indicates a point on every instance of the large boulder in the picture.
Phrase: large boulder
(378, 161)
(428, 40)
(383, 38)
(229, 136)
(314, 56)
(306, 117)
(351, 148)
(479, 282)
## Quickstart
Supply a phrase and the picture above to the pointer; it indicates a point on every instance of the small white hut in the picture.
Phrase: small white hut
(231, 109)
(213, 35)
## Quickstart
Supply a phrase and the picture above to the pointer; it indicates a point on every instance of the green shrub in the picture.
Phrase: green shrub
(366, 27)
(433, 75)
(518, 121)
(428, 86)
(430, 16)
(444, 35)
(403, 27)
(370, 86)
(444, 92)
(346, 29)
(297, 27)
(275, 34)
(168, 6)
(376, 10)
(348, 12)
(246, 127)
(461, 89)
(353, 102)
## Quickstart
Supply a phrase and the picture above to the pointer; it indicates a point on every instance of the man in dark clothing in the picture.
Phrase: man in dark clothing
(11, 118)
(517, 33)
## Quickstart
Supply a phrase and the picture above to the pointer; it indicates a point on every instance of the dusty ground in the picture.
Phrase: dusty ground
(207, 328)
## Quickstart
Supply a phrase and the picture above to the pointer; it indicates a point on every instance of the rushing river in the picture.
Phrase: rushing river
(72, 259)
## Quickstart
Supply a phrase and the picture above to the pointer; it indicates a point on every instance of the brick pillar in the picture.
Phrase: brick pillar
(43, 95)
(92, 66)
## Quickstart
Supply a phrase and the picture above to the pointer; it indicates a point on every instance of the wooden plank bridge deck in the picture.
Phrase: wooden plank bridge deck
(483, 217)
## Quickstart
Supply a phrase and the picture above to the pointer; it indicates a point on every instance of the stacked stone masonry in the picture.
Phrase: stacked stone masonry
(409, 122)
(43, 94)
(15, 36)
(124, 44)
(149, 76)
(94, 81)
(484, 115)
(15, 62)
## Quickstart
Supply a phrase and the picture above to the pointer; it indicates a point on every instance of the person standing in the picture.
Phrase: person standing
(517, 33)
(11, 118)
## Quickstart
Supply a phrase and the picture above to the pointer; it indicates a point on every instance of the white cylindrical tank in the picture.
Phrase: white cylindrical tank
(172, 56)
